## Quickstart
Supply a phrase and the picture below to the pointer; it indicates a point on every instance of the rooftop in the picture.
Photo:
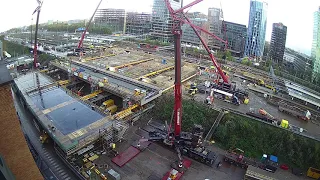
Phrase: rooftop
(74, 122)
(4, 74)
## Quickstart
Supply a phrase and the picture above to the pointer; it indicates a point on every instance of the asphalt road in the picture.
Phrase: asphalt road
(56, 169)
(257, 102)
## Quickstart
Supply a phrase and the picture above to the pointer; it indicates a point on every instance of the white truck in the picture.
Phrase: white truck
(295, 111)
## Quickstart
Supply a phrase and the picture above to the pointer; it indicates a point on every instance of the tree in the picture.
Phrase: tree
(245, 60)
(229, 57)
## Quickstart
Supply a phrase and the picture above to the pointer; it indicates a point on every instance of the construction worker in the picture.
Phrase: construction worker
(219, 164)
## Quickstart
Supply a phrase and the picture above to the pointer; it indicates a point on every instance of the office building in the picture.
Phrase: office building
(215, 26)
(236, 35)
(111, 18)
(278, 43)
(188, 35)
(138, 23)
(293, 60)
(256, 28)
(315, 52)
(162, 21)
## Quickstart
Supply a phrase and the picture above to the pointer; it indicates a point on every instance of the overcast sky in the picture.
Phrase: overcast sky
(297, 15)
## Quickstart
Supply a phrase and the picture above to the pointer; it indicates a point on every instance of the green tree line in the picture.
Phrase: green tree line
(14, 49)
(65, 27)
(254, 137)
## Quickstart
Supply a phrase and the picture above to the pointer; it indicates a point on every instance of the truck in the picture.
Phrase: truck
(254, 173)
(295, 111)
(112, 109)
(236, 157)
(107, 103)
(313, 173)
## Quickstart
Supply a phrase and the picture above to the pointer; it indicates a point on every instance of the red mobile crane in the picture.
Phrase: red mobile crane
(184, 142)
(80, 45)
(177, 16)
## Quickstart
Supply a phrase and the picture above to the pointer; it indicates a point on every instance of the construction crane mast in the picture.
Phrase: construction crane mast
(80, 45)
(180, 18)
(35, 48)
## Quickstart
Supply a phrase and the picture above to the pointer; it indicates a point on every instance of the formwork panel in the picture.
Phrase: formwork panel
(125, 156)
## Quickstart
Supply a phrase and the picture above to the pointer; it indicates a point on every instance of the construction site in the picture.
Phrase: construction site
(92, 107)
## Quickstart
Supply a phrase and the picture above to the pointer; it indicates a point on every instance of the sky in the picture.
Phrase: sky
(297, 15)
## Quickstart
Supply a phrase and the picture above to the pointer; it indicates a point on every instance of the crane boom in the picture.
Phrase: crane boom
(87, 27)
(177, 32)
(224, 77)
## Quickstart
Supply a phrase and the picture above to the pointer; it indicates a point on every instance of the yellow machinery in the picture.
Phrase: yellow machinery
(63, 82)
(156, 72)
(173, 174)
(129, 64)
(44, 70)
(44, 137)
(112, 109)
(137, 92)
(313, 173)
(89, 96)
(107, 104)
(126, 112)
(193, 89)
(284, 124)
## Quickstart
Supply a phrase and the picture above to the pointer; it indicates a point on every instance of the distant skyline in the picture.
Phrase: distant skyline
(296, 15)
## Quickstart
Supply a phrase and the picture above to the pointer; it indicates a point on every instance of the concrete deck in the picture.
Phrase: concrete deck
(76, 124)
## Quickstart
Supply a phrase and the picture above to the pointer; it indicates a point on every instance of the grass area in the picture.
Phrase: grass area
(254, 137)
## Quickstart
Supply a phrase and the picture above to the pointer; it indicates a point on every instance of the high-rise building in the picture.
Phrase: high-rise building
(188, 35)
(112, 18)
(236, 35)
(315, 52)
(278, 42)
(215, 26)
(138, 23)
(256, 28)
(162, 21)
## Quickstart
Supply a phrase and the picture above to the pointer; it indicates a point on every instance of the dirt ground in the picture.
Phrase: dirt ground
(155, 161)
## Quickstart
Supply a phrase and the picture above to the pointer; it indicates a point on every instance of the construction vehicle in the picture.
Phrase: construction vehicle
(106, 104)
(148, 47)
(236, 157)
(193, 89)
(80, 45)
(174, 137)
(254, 173)
(44, 137)
(313, 173)
(294, 110)
(111, 110)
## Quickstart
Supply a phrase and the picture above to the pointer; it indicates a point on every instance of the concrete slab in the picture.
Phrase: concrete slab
(125, 156)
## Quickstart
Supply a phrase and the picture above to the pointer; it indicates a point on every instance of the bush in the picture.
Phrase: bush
(254, 137)
(257, 138)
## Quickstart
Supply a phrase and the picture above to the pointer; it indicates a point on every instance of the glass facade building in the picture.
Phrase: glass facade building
(315, 52)
(278, 42)
(256, 29)
(162, 21)
(188, 35)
